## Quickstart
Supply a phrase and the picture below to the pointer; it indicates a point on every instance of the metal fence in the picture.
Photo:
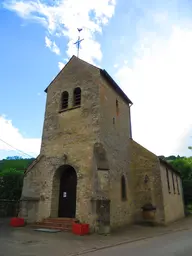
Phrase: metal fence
(9, 208)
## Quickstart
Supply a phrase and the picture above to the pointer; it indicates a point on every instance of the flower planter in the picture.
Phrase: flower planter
(17, 222)
(80, 229)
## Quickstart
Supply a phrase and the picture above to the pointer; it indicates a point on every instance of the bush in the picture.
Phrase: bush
(11, 182)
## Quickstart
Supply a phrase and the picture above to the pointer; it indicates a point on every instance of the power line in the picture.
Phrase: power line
(16, 148)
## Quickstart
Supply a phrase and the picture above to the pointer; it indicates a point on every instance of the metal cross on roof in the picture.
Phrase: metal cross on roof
(78, 42)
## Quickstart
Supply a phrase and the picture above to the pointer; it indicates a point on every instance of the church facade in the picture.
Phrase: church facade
(89, 166)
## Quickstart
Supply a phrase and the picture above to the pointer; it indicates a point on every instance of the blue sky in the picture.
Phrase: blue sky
(145, 45)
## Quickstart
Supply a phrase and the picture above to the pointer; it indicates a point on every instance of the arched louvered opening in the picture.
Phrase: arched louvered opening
(64, 100)
(77, 97)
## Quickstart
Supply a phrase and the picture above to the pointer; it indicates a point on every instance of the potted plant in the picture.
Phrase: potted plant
(148, 212)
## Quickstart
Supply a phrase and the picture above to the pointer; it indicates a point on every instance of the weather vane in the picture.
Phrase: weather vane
(78, 42)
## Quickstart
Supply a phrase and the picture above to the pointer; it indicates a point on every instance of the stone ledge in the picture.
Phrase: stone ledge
(29, 199)
(101, 198)
(68, 109)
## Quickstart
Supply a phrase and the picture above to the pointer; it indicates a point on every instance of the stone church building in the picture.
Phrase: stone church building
(89, 167)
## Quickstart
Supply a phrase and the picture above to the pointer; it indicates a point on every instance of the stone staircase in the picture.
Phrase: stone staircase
(63, 224)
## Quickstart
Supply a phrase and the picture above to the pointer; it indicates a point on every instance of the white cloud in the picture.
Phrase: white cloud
(48, 42)
(61, 65)
(64, 17)
(52, 46)
(159, 84)
(116, 65)
(55, 48)
(160, 17)
(12, 136)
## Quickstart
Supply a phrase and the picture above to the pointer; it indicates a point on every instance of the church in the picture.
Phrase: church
(89, 168)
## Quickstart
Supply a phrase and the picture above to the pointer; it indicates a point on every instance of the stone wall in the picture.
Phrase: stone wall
(75, 127)
(71, 133)
(95, 139)
(145, 181)
(115, 131)
(37, 189)
(173, 199)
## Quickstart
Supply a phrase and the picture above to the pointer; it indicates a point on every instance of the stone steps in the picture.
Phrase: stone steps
(63, 224)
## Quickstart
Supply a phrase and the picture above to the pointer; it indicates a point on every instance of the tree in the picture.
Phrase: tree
(11, 182)
(184, 165)
(13, 157)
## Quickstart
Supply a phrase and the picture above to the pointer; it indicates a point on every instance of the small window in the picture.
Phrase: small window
(123, 189)
(117, 107)
(168, 183)
(173, 182)
(177, 185)
(77, 97)
(64, 100)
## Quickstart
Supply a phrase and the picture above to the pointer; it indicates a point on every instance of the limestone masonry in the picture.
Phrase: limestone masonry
(89, 167)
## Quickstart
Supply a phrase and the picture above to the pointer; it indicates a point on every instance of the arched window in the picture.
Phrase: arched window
(77, 97)
(64, 100)
(123, 189)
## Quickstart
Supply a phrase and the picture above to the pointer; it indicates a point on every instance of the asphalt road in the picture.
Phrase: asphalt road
(27, 242)
(177, 244)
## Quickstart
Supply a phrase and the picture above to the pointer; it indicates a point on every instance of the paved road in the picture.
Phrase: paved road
(27, 242)
(175, 244)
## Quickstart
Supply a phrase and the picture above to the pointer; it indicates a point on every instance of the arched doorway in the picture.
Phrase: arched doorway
(67, 193)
